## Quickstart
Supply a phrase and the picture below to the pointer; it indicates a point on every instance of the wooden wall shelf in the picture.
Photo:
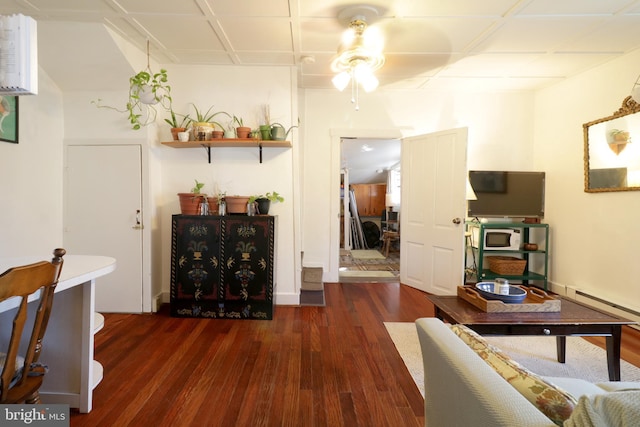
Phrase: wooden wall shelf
(247, 143)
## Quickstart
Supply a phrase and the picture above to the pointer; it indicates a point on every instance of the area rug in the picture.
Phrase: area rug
(366, 254)
(538, 354)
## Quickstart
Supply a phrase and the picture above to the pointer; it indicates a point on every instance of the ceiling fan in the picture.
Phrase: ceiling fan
(359, 53)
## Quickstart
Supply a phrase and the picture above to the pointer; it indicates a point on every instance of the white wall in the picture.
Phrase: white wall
(594, 235)
(500, 136)
(31, 176)
(239, 91)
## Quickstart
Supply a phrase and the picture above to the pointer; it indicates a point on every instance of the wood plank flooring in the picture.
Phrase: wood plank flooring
(309, 366)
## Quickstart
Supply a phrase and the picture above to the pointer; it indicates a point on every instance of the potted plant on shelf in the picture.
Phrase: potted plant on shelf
(178, 123)
(190, 202)
(263, 202)
(265, 128)
(203, 123)
(242, 131)
(236, 204)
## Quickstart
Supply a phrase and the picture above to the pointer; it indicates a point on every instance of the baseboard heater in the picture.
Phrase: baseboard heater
(623, 311)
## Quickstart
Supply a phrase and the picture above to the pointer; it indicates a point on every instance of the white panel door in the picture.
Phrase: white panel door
(103, 207)
(433, 211)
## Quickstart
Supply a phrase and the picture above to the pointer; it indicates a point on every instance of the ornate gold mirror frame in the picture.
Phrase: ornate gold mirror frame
(611, 158)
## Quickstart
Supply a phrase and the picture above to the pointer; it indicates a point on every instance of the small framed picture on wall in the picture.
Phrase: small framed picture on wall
(9, 118)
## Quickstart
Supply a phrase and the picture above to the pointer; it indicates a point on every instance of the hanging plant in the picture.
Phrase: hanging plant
(147, 92)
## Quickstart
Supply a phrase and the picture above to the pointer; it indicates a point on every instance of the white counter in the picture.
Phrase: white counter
(68, 344)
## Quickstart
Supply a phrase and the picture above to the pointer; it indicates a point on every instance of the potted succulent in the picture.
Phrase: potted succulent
(146, 90)
(242, 131)
(263, 202)
(178, 123)
(203, 123)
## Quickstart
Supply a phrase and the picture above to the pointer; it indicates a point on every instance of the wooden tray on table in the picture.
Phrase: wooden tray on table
(536, 300)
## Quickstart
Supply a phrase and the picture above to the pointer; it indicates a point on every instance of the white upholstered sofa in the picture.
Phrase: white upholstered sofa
(467, 384)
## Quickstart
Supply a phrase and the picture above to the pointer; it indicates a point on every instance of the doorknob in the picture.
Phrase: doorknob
(457, 221)
(138, 225)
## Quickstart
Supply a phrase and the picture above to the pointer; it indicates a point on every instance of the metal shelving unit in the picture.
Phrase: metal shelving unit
(528, 236)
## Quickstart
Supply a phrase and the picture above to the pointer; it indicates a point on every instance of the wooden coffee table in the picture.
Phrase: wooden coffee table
(573, 319)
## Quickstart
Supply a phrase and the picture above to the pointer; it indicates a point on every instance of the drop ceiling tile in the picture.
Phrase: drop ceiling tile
(320, 34)
(536, 34)
(155, 7)
(186, 32)
(202, 57)
(332, 8)
(573, 7)
(619, 36)
(432, 35)
(266, 58)
(488, 84)
(47, 6)
(249, 7)
(562, 64)
(487, 65)
(457, 8)
(255, 34)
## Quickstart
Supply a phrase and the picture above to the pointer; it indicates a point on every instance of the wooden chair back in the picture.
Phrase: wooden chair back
(20, 381)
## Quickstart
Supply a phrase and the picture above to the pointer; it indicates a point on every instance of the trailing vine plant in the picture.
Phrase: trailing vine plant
(147, 92)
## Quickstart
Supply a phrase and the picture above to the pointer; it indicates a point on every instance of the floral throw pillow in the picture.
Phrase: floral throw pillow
(552, 401)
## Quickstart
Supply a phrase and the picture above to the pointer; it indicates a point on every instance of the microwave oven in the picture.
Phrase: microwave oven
(497, 239)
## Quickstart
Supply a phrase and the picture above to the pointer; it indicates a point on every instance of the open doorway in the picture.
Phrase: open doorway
(370, 209)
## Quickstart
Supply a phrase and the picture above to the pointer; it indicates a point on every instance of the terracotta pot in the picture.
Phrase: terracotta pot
(190, 203)
(217, 134)
(174, 132)
(243, 132)
(213, 205)
(237, 204)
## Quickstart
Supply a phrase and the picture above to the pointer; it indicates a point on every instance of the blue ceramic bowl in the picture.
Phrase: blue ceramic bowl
(516, 294)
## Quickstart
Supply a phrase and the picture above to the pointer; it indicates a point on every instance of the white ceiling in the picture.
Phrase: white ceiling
(495, 44)
(487, 44)
(369, 160)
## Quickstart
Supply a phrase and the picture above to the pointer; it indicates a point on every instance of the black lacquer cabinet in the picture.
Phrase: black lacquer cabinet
(222, 266)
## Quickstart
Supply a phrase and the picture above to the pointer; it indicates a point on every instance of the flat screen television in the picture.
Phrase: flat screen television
(507, 194)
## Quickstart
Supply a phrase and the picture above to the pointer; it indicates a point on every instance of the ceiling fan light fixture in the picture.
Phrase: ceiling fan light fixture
(359, 55)
(340, 81)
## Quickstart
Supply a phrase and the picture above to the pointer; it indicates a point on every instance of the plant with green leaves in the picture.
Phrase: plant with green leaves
(196, 189)
(178, 120)
(147, 92)
(208, 116)
(273, 197)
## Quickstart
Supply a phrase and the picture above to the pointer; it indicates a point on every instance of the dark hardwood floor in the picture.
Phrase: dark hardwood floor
(309, 366)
